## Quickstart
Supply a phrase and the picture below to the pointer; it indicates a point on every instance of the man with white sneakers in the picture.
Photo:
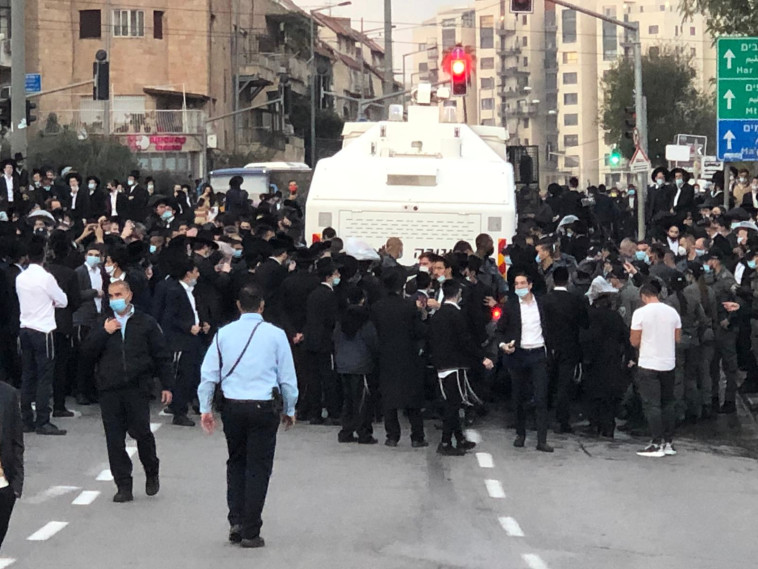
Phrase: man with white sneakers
(655, 331)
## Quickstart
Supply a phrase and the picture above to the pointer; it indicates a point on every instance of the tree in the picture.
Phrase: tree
(724, 17)
(674, 104)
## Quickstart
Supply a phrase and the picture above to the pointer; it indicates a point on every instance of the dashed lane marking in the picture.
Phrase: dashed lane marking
(47, 531)
(473, 436)
(6, 562)
(485, 460)
(105, 476)
(534, 561)
(131, 451)
(511, 527)
(50, 493)
(85, 498)
(155, 426)
(494, 488)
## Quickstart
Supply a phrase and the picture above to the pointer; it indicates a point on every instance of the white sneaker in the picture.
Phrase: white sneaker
(669, 450)
(652, 450)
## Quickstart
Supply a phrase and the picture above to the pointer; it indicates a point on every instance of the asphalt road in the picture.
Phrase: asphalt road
(589, 505)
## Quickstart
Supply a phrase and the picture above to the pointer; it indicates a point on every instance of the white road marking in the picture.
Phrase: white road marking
(511, 527)
(85, 498)
(473, 436)
(485, 460)
(52, 492)
(47, 531)
(131, 451)
(534, 561)
(6, 562)
(494, 488)
(105, 476)
(155, 426)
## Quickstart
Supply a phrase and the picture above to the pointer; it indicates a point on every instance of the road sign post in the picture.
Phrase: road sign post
(737, 99)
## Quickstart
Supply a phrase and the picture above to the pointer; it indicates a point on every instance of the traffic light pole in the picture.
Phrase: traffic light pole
(18, 77)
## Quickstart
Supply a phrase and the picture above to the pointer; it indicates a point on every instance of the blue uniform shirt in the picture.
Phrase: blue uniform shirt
(267, 363)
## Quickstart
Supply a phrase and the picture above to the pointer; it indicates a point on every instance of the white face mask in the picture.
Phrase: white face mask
(659, 181)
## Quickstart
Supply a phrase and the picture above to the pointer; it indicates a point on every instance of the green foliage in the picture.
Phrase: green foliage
(674, 104)
(103, 157)
(724, 17)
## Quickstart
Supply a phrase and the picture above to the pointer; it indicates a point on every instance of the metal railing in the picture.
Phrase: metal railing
(123, 122)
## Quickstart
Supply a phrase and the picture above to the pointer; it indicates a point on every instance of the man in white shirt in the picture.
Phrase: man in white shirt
(656, 329)
(521, 337)
(9, 189)
(38, 296)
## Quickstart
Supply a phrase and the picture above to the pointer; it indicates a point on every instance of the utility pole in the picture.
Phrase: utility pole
(235, 57)
(389, 78)
(361, 64)
(18, 77)
(108, 35)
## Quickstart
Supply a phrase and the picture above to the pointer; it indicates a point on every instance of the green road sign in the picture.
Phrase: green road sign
(737, 58)
(738, 99)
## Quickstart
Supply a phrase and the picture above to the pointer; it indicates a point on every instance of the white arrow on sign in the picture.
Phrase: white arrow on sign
(729, 96)
(729, 56)
(729, 137)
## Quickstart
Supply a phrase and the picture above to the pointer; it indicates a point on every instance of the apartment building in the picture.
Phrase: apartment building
(588, 48)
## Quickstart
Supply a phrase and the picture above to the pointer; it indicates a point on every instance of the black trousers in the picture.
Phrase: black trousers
(529, 376)
(250, 428)
(10, 360)
(61, 377)
(451, 389)
(7, 501)
(127, 410)
(37, 355)
(85, 378)
(357, 406)
(392, 424)
(657, 392)
(563, 367)
(187, 365)
(323, 387)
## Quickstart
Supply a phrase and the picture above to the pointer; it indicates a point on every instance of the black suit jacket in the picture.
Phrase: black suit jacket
(451, 344)
(296, 289)
(80, 209)
(17, 202)
(122, 206)
(138, 198)
(565, 313)
(11, 438)
(69, 283)
(686, 199)
(178, 318)
(321, 314)
(509, 325)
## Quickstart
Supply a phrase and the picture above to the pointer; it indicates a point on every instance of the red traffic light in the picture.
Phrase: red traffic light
(522, 6)
(458, 67)
(497, 312)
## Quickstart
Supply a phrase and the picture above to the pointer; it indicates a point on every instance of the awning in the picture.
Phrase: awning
(167, 92)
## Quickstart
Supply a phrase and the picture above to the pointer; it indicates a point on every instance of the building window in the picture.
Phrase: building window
(569, 78)
(129, 23)
(570, 57)
(526, 123)
(423, 67)
(488, 82)
(610, 41)
(571, 119)
(569, 26)
(486, 32)
(158, 24)
(524, 41)
(487, 63)
(488, 104)
(448, 23)
(448, 38)
(570, 140)
(467, 19)
(89, 24)
(693, 52)
(526, 61)
(571, 98)
(488, 122)
(571, 161)
(523, 19)
(652, 30)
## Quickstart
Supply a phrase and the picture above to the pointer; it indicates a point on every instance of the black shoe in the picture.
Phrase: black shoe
(182, 421)
(564, 429)
(544, 447)
(367, 440)
(62, 413)
(317, 421)
(235, 534)
(348, 438)
(590, 431)
(519, 442)
(82, 399)
(123, 495)
(29, 428)
(465, 444)
(252, 543)
(334, 422)
(449, 450)
(152, 485)
(707, 413)
(728, 408)
(50, 429)
(390, 443)
(420, 444)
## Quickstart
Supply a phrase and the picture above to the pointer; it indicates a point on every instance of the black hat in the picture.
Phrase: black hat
(134, 174)
(75, 175)
(658, 170)
(325, 267)
(618, 272)
(713, 254)
(236, 181)
(686, 175)
(203, 238)
(282, 244)
(94, 179)
(166, 200)
(8, 161)
(304, 256)
(18, 157)
(695, 268)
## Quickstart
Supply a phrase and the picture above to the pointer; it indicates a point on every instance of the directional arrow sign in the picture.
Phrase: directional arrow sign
(738, 99)
(737, 58)
(729, 137)
(729, 56)
(729, 97)
(738, 140)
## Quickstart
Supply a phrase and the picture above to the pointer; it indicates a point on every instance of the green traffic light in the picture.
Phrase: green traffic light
(615, 157)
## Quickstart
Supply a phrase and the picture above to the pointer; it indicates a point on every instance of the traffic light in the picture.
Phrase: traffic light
(5, 113)
(615, 157)
(522, 6)
(459, 71)
(101, 76)
(30, 118)
(630, 121)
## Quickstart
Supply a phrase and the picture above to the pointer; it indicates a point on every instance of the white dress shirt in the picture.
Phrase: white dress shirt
(73, 199)
(531, 325)
(188, 289)
(676, 197)
(673, 245)
(38, 297)
(9, 187)
(96, 280)
(114, 200)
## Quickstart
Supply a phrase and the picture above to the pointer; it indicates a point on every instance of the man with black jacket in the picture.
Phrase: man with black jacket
(11, 454)
(454, 351)
(129, 350)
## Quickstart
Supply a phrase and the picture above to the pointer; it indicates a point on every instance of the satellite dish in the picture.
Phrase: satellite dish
(82, 134)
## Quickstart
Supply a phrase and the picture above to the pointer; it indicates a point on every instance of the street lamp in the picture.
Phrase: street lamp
(313, 78)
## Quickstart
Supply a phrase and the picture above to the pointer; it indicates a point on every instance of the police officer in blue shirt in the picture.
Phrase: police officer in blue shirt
(252, 361)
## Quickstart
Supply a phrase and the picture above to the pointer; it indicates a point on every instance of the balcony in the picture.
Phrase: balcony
(516, 92)
(510, 51)
(91, 122)
(504, 32)
(5, 53)
(522, 111)
(514, 71)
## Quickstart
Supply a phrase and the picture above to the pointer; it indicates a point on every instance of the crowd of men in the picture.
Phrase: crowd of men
(372, 337)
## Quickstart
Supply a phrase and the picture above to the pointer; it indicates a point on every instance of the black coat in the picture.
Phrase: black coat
(211, 290)
(321, 314)
(137, 198)
(686, 201)
(658, 202)
(401, 369)
(509, 327)
(80, 209)
(269, 276)
(132, 360)
(99, 203)
(606, 350)
(178, 318)
(122, 206)
(451, 343)
(69, 283)
(565, 314)
(86, 314)
(11, 438)
(296, 289)
(5, 205)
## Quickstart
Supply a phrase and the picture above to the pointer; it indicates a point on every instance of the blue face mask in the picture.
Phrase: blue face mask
(93, 260)
(336, 281)
(237, 253)
(751, 264)
(699, 252)
(441, 279)
(153, 248)
(537, 259)
(707, 268)
(631, 193)
(508, 260)
(522, 292)
(168, 214)
(118, 305)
